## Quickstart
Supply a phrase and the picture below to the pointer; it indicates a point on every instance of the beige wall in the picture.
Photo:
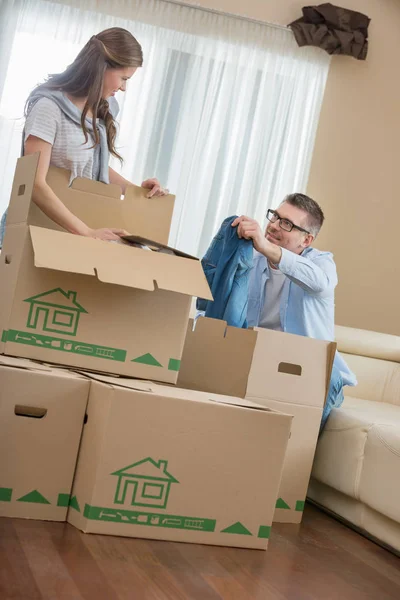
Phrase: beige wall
(355, 172)
(272, 11)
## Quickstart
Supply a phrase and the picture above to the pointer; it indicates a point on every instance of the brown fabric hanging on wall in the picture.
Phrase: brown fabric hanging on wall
(334, 29)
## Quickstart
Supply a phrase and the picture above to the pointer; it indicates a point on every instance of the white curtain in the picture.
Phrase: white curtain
(224, 111)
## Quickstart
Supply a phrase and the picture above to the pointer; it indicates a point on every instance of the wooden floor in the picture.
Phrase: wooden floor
(321, 560)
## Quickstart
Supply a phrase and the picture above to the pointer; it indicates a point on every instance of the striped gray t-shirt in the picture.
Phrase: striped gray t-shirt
(49, 123)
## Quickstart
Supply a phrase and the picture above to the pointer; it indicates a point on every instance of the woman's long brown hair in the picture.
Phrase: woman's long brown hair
(112, 48)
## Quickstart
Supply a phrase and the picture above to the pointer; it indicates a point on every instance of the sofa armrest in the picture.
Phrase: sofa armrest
(378, 380)
(368, 343)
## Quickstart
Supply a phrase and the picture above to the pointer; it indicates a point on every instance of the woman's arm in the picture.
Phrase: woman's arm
(44, 196)
(49, 202)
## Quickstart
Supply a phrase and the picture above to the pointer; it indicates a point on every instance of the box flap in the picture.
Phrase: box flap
(217, 358)
(331, 357)
(97, 204)
(106, 190)
(290, 368)
(155, 246)
(22, 188)
(100, 205)
(133, 384)
(16, 239)
(173, 392)
(32, 365)
(117, 263)
(257, 363)
(23, 363)
(151, 217)
(242, 403)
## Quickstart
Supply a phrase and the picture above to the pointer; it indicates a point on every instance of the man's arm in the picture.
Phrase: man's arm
(316, 276)
(272, 252)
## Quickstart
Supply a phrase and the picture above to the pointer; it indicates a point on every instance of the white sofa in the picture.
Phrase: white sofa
(356, 472)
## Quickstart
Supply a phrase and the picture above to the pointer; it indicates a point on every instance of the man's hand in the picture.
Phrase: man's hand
(155, 188)
(249, 229)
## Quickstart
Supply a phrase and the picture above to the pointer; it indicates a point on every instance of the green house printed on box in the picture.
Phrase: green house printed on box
(55, 311)
(144, 483)
(147, 483)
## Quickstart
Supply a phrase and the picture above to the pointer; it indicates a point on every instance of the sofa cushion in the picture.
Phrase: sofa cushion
(380, 476)
(340, 453)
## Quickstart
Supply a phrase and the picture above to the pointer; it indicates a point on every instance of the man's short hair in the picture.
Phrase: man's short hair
(315, 216)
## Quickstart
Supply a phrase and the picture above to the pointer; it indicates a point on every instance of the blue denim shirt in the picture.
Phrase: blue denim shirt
(227, 264)
(307, 301)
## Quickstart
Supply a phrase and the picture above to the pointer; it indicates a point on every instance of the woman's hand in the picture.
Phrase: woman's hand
(155, 188)
(150, 184)
(107, 234)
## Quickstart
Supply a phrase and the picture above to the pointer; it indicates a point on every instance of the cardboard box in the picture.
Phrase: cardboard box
(42, 412)
(97, 204)
(285, 372)
(163, 463)
(80, 302)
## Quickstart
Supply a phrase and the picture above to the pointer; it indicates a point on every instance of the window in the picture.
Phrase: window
(223, 112)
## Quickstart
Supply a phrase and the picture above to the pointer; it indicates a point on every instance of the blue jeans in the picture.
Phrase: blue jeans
(2, 228)
(227, 264)
(335, 396)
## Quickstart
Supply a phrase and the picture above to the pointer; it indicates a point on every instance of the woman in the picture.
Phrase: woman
(70, 121)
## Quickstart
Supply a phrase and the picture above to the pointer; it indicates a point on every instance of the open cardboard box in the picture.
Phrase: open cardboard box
(285, 372)
(42, 413)
(80, 302)
(165, 463)
(99, 205)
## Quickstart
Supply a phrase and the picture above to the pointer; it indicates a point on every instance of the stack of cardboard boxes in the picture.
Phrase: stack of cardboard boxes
(114, 413)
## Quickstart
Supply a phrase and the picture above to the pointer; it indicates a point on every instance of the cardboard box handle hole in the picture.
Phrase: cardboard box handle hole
(33, 412)
(289, 368)
(7, 259)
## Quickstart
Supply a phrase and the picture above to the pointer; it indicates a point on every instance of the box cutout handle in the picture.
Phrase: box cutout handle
(32, 412)
(7, 259)
(21, 190)
(289, 368)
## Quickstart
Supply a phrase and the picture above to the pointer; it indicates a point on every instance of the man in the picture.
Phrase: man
(292, 285)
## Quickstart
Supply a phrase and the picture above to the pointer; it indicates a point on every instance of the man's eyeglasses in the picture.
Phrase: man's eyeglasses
(284, 224)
